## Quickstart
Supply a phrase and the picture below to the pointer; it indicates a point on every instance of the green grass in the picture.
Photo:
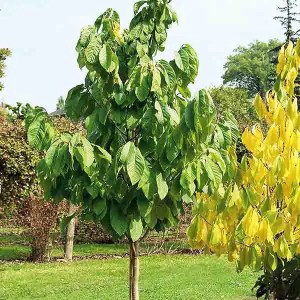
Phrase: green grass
(19, 252)
(178, 277)
(15, 247)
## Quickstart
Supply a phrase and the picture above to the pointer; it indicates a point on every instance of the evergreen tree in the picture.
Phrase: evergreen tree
(289, 19)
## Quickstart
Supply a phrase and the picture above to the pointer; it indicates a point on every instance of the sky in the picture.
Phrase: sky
(42, 35)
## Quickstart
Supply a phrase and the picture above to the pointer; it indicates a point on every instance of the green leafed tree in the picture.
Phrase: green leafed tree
(4, 53)
(251, 67)
(149, 146)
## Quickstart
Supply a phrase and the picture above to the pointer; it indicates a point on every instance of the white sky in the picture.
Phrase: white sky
(42, 35)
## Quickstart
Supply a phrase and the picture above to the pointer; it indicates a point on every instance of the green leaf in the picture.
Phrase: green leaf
(142, 92)
(168, 73)
(118, 221)
(135, 165)
(127, 148)
(60, 160)
(85, 36)
(136, 229)
(99, 205)
(107, 59)
(72, 104)
(178, 61)
(144, 206)
(88, 152)
(92, 50)
(104, 154)
(138, 5)
(162, 186)
(156, 81)
(187, 180)
(103, 113)
(148, 183)
(159, 114)
(40, 133)
(189, 116)
(52, 153)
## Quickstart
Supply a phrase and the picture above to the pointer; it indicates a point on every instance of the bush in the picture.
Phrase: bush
(283, 283)
(20, 195)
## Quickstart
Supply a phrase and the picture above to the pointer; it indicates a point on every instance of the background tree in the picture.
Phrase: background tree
(148, 146)
(288, 22)
(289, 19)
(60, 105)
(4, 53)
(237, 102)
(255, 220)
(250, 68)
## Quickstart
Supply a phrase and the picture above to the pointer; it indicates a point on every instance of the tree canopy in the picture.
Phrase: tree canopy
(251, 67)
(149, 145)
(255, 220)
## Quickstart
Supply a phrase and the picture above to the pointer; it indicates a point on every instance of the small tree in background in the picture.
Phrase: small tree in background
(4, 53)
(289, 19)
(149, 147)
(60, 103)
(256, 220)
(251, 68)
(237, 102)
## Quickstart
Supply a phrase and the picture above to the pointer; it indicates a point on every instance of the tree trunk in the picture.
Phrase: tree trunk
(70, 234)
(134, 270)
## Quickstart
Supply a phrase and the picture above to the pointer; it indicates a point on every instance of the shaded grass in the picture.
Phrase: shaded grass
(162, 278)
(16, 247)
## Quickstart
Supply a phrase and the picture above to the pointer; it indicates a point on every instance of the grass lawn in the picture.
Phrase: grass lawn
(177, 277)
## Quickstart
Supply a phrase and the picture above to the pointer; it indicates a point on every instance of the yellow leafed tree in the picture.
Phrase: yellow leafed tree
(256, 219)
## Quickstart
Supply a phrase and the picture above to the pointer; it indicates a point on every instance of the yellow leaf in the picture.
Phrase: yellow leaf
(260, 107)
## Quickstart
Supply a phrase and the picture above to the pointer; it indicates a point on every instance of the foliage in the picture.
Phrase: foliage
(255, 219)
(287, 21)
(4, 53)
(17, 164)
(21, 196)
(60, 103)
(237, 102)
(286, 277)
(167, 277)
(148, 147)
(251, 67)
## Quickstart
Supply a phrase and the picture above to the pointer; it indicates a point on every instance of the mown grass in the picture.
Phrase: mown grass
(163, 277)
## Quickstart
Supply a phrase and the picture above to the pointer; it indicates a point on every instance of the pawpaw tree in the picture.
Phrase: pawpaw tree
(149, 145)
(255, 219)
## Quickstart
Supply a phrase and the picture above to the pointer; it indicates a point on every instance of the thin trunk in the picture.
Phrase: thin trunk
(70, 234)
(134, 270)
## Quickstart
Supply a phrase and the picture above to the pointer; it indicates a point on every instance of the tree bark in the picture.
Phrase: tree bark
(69, 242)
(134, 270)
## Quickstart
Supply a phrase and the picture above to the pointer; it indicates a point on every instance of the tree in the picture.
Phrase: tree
(237, 102)
(60, 103)
(149, 147)
(251, 67)
(255, 219)
(4, 53)
(287, 21)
